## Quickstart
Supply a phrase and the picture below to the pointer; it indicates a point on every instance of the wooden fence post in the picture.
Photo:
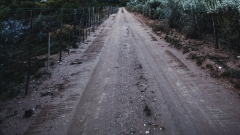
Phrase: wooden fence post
(60, 50)
(93, 20)
(2, 55)
(83, 27)
(215, 32)
(68, 46)
(86, 26)
(80, 32)
(89, 19)
(108, 11)
(29, 56)
(74, 27)
(48, 56)
(1, 78)
(98, 18)
(1, 75)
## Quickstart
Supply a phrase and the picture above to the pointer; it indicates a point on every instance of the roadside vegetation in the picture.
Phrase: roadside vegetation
(26, 27)
(208, 32)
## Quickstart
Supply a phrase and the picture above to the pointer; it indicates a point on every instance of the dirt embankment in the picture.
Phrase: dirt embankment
(222, 64)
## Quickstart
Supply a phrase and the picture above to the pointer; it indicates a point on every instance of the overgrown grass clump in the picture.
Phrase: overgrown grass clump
(175, 42)
(198, 58)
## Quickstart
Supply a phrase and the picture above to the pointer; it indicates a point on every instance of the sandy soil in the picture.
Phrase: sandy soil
(130, 82)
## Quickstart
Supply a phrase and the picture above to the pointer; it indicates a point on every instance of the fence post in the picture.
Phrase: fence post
(89, 19)
(1, 78)
(74, 27)
(215, 32)
(49, 44)
(108, 11)
(83, 33)
(60, 56)
(68, 41)
(29, 56)
(83, 27)
(93, 19)
(98, 18)
(86, 26)
(2, 69)
(79, 32)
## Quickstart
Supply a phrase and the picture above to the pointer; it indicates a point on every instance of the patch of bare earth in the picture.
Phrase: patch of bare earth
(222, 64)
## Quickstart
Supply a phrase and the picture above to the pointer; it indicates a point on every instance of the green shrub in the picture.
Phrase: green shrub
(199, 60)
(193, 56)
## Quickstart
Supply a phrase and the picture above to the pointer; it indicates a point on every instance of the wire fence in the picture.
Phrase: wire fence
(29, 36)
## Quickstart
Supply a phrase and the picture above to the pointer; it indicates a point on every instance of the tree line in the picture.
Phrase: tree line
(197, 18)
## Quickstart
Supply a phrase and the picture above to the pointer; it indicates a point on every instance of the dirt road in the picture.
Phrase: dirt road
(141, 86)
(137, 84)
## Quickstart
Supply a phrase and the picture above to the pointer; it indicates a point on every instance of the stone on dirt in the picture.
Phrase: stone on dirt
(147, 110)
(29, 113)
(77, 61)
(46, 93)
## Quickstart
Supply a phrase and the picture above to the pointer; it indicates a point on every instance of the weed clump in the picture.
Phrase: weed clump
(237, 84)
(193, 56)
(174, 42)
(231, 73)
(200, 59)
(185, 49)
(225, 74)
(158, 28)
(209, 66)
